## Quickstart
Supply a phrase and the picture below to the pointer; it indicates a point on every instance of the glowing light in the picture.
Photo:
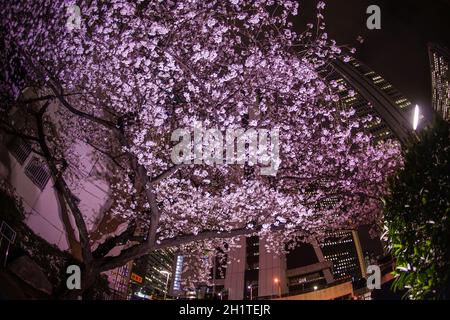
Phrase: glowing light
(416, 117)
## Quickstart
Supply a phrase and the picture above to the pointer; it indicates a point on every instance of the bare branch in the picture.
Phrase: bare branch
(166, 174)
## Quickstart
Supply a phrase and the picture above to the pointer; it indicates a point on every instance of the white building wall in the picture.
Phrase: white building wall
(234, 278)
(271, 267)
(43, 214)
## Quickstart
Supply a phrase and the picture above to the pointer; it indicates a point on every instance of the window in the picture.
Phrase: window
(38, 172)
(20, 150)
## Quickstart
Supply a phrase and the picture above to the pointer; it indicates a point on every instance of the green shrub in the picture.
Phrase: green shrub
(417, 215)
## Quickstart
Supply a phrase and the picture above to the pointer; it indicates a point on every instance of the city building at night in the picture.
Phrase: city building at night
(151, 275)
(28, 173)
(440, 79)
(224, 156)
(343, 250)
(371, 94)
(254, 273)
(119, 280)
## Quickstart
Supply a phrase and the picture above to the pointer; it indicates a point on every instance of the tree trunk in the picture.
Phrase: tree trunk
(88, 276)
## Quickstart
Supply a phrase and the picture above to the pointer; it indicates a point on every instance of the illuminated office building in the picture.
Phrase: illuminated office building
(343, 250)
(371, 94)
(118, 280)
(178, 273)
(440, 79)
(210, 291)
(151, 275)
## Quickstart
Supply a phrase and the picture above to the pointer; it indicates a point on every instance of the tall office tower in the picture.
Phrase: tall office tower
(151, 275)
(343, 250)
(440, 79)
(371, 94)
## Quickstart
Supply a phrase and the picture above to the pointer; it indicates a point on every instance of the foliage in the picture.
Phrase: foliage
(135, 71)
(417, 214)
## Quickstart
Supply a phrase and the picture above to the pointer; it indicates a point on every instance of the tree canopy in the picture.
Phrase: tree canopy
(135, 71)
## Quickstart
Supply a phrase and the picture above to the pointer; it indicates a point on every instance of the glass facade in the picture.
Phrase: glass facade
(340, 249)
(440, 79)
(369, 94)
(152, 275)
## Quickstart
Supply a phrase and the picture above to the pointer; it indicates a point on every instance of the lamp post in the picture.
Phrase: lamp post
(250, 287)
(277, 282)
(167, 273)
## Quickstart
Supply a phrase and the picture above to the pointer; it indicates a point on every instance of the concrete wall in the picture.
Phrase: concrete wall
(271, 266)
(336, 292)
(42, 206)
(234, 279)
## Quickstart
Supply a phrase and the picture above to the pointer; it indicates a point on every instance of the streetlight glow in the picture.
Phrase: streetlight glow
(416, 117)
(250, 287)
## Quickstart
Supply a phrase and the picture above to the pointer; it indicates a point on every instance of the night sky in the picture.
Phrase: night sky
(398, 51)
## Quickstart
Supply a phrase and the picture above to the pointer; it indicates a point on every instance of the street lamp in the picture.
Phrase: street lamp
(167, 273)
(277, 282)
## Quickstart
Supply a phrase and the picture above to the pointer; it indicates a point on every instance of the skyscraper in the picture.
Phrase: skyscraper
(440, 79)
(343, 250)
(151, 274)
(371, 94)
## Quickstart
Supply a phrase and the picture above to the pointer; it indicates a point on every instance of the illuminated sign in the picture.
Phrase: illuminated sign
(178, 272)
(136, 278)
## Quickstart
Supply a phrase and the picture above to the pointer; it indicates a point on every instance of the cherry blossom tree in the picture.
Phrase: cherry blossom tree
(135, 71)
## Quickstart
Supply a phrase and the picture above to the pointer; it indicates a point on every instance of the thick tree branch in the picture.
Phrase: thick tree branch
(146, 248)
(166, 174)
(62, 187)
(103, 249)
(18, 134)
(44, 98)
